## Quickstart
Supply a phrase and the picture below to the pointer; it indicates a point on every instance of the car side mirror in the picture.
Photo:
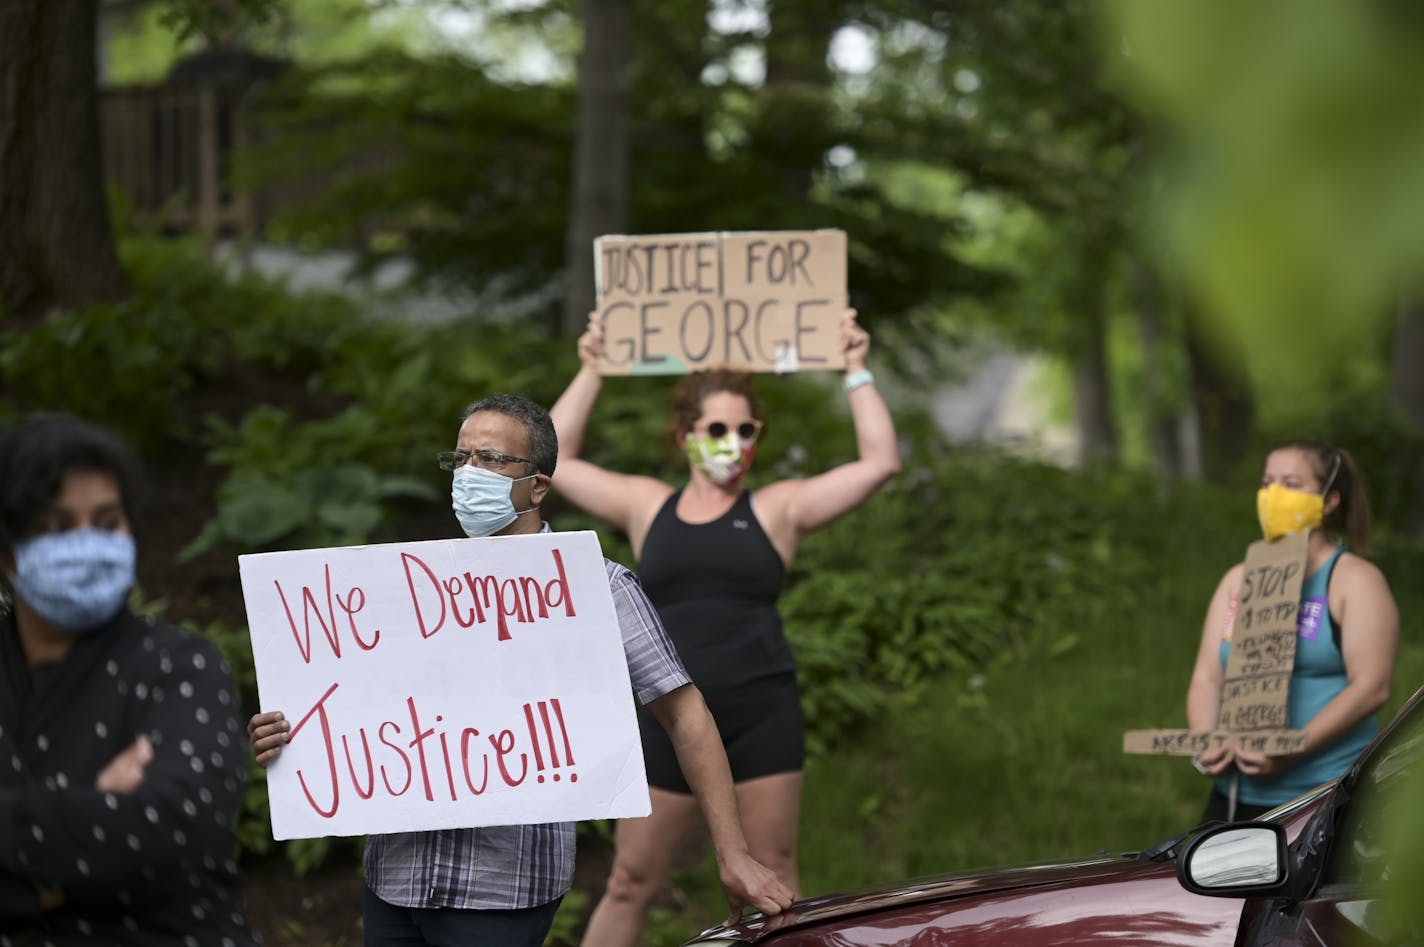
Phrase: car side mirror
(1233, 861)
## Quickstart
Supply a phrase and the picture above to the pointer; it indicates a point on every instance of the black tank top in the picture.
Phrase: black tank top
(715, 586)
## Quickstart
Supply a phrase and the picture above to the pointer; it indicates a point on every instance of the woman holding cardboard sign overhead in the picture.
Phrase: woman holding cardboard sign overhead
(1347, 634)
(712, 556)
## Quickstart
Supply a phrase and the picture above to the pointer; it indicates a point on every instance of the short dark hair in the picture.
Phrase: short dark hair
(543, 442)
(36, 456)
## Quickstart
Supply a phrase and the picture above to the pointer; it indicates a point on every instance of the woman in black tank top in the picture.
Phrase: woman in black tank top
(712, 556)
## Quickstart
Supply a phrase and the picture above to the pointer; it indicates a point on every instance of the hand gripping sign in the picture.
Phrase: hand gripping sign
(1256, 685)
(444, 684)
(757, 301)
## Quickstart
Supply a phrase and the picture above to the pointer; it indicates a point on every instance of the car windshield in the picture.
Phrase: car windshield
(1379, 801)
(1167, 850)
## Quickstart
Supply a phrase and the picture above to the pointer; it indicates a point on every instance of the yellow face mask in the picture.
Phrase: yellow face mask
(1282, 510)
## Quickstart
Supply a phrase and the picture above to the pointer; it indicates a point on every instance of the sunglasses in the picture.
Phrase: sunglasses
(747, 430)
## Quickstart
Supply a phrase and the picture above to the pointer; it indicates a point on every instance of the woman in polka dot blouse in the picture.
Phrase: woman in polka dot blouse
(120, 768)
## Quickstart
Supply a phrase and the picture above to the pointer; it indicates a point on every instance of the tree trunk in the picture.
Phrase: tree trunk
(599, 196)
(56, 243)
(1221, 392)
(1406, 386)
(1086, 295)
(1396, 482)
(1093, 391)
(793, 126)
(1162, 434)
(1189, 442)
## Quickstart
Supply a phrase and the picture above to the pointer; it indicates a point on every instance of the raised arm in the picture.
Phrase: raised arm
(624, 501)
(746, 881)
(571, 411)
(797, 507)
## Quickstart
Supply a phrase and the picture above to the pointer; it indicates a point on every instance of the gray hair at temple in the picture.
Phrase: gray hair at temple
(543, 442)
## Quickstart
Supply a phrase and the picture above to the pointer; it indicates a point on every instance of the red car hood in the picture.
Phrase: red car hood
(1105, 899)
(1110, 899)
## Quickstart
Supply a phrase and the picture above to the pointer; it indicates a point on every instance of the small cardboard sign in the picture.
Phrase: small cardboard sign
(768, 301)
(444, 684)
(1193, 742)
(1256, 684)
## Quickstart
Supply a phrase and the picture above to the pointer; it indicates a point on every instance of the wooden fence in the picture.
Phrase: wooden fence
(171, 150)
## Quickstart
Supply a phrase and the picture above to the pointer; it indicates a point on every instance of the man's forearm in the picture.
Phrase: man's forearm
(694, 736)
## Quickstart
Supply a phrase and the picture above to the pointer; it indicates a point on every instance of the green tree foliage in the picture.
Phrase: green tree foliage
(1294, 208)
(1010, 97)
(450, 161)
(144, 42)
(426, 158)
(218, 20)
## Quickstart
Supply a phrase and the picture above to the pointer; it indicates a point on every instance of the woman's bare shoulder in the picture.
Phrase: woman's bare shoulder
(1356, 571)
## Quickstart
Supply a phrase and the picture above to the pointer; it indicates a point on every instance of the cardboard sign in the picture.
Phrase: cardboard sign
(757, 301)
(1256, 685)
(445, 684)
(1192, 742)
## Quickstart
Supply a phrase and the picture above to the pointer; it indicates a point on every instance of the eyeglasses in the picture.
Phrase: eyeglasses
(747, 430)
(482, 457)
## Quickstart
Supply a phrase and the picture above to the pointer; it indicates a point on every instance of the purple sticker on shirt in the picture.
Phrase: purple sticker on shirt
(1311, 611)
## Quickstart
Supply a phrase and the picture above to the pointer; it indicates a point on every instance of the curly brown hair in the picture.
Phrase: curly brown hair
(685, 405)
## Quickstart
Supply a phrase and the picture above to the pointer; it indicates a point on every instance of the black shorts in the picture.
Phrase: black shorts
(761, 727)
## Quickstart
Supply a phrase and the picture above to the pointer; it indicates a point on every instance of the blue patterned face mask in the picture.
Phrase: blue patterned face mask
(482, 502)
(75, 580)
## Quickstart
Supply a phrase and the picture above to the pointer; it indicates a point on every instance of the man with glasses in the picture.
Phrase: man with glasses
(501, 885)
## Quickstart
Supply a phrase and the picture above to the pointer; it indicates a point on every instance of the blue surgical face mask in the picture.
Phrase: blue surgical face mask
(482, 502)
(76, 580)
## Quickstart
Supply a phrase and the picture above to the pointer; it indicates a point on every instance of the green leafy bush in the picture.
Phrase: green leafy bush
(967, 561)
(297, 486)
(188, 336)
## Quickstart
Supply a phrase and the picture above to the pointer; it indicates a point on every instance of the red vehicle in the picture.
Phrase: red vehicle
(1329, 885)
(1298, 871)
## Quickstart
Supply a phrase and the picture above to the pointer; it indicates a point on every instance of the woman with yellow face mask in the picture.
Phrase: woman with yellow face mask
(1347, 634)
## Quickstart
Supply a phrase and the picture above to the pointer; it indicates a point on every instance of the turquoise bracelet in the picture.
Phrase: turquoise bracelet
(855, 379)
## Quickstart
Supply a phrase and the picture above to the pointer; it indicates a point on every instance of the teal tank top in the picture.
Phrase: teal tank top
(1319, 675)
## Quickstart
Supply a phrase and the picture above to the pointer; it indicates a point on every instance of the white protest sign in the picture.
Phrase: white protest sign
(445, 684)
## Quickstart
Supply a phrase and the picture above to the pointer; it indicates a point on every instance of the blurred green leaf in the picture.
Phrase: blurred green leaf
(255, 512)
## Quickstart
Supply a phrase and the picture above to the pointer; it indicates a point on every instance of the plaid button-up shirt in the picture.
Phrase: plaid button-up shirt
(517, 866)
